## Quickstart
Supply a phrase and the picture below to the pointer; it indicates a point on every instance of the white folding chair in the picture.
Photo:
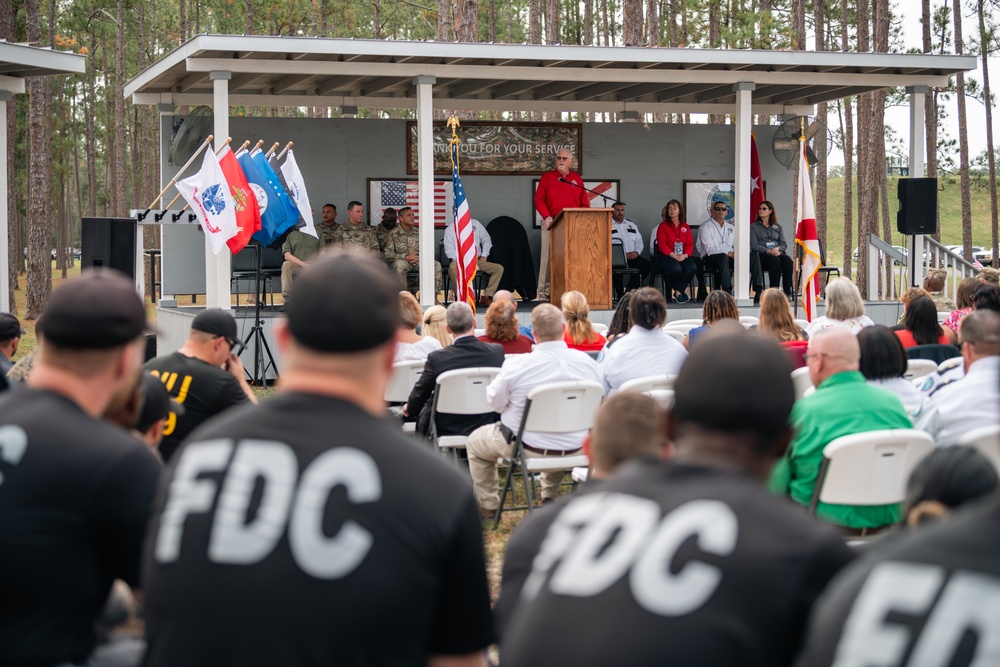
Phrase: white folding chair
(683, 327)
(985, 440)
(479, 332)
(917, 368)
(649, 383)
(801, 381)
(404, 375)
(749, 319)
(802, 324)
(692, 321)
(869, 468)
(556, 407)
(600, 327)
(948, 364)
(675, 334)
(664, 397)
(460, 392)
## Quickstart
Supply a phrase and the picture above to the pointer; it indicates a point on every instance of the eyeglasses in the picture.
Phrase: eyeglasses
(721, 208)
(813, 355)
(763, 208)
(235, 346)
(564, 158)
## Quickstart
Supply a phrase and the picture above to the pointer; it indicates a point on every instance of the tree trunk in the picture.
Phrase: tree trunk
(605, 23)
(880, 31)
(552, 22)
(963, 138)
(930, 113)
(91, 132)
(119, 184)
(249, 24)
(799, 25)
(652, 23)
(493, 22)
(39, 176)
(466, 20)
(867, 197)
(588, 22)
(672, 24)
(444, 21)
(535, 21)
(714, 41)
(991, 160)
(13, 243)
(183, 20)
(632, 22)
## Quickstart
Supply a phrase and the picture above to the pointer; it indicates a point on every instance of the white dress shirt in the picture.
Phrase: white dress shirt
(483, 241)
(963, 405)
(628, 234)
(715, 240)
(640, 353)
(908, 394)
(855, 324)
(550, 361)
(416, 351)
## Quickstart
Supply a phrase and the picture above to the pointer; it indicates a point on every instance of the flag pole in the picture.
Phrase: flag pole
(217, 154)
(187, 164)
(798, 250)
(284, 150)
(270, 151)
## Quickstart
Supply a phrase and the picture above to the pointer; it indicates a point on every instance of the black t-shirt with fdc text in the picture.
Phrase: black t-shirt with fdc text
(307, 531)
(664, 564)
(203, 389)
(75, 495)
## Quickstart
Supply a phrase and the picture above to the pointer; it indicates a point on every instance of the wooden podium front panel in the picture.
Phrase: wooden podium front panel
(580, 255)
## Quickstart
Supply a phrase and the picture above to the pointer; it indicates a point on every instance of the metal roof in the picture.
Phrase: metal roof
(304, 71)
(19, 61)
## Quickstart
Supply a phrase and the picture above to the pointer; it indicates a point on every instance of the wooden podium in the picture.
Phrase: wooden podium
(580, 255)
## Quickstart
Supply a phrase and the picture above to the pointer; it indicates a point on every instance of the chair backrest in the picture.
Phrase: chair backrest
(948, 364)
(600, 327)
(562, 407)
(801, 381)
(271, 259)
(802, 323)
(917, 368)
(649, 383)
(749, 319)
(404, 376)
(479, 332)
(942, 316)
(618, 259)
(870, 468)
(463, 391)
(985, 440)
(676, 334)
(683, 327)
(665, 397)
(697, 322)
(935, 352)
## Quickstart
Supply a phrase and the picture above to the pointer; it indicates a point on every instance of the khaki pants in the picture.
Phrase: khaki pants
(543, 265)
(494, 271)
(486, 445)
(288, 273)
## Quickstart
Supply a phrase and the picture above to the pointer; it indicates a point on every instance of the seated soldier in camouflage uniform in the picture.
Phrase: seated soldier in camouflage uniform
(388, 224)
(298, 250)
(934, 284)
(328, 229)
(355, 232)
(402, 248)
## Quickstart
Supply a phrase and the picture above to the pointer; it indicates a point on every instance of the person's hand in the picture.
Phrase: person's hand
(681, 257)
(406, 409)
(234, 366)
(413, 259)
(547, 222)
(730, 254)
(631, 255)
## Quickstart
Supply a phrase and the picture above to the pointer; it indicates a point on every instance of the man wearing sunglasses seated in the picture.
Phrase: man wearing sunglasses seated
(205, 375)
(715, 244)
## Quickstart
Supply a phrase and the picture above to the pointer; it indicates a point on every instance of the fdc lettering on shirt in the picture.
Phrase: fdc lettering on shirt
(290, 499)
(577, 552)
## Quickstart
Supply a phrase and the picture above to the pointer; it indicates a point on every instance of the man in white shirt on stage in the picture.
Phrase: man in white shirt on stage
(716, 239)
(483, 245)
(627, 233)
(550, 361)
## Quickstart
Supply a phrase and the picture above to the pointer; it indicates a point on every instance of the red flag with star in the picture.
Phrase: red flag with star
(756, 180)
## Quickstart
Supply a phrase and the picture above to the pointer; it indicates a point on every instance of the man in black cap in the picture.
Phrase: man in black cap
(75, 491)
(156, 409)
(205, 375)
(366, 548)
(10, 336)
(687, 561)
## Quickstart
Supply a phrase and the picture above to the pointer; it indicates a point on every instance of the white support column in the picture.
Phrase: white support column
(217, 267)
(163, 109)
(425, 179)
(5, 96)
(917, 167)
(741, 283)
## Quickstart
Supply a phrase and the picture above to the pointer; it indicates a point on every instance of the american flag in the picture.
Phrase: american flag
(396, 194)
(465, 271)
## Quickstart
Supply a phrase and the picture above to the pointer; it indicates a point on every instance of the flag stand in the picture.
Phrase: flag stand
(798, 278)
(261, 350)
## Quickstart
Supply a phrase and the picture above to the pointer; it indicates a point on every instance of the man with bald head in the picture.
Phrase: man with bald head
(557, 189)
(843, 404)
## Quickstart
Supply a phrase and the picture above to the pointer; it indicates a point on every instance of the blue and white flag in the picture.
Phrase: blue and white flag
(277, 211)
(208, 194)
(297, 189)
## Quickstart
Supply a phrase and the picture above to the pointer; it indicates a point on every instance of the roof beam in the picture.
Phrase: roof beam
(285, 83)
(514, 88)
(557, 90)
(191, 81)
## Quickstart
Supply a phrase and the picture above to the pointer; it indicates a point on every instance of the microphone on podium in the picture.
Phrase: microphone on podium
(612, 200)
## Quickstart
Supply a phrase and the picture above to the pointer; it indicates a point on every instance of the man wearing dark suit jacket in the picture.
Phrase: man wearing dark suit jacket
(465, 352)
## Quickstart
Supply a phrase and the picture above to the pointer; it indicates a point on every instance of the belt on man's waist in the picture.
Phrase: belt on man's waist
(550, 452)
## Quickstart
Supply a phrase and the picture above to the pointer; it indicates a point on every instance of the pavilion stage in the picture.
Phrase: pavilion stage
(174, 323)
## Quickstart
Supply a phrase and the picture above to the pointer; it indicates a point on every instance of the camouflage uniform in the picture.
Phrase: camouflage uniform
(943, 303)
(382, 234)
(328, 234)
(22, 369)
(360, 235)
(398, 244)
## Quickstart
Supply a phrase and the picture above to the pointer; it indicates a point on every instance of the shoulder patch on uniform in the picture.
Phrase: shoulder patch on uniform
(941, 386)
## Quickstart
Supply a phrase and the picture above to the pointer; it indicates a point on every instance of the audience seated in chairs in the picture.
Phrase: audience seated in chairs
(947, 479)
(883, 363)
(920, 325)
(717, 307)
(620, 320)
(908, 295)
(435, 325)
(411, 346)
(502, 328)
(777, 323)
(966, 290)
(844, 308)
(580, 334)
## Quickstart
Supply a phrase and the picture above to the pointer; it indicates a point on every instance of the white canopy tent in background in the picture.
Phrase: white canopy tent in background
(224, 70)
(17, 62)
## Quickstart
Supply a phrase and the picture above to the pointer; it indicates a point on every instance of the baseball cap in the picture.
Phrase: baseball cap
(217, 322)
(97, 311)
(9, 327)
(156, 404)
(345, 301)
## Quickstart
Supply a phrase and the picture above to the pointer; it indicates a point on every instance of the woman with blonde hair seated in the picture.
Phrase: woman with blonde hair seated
(502, 328)
(579, 333)
(844, 308)
(718, 306)
(776, 321)
(435, 325)
(411, 346)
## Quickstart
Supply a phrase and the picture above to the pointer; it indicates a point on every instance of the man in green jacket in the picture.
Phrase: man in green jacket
(843, 404)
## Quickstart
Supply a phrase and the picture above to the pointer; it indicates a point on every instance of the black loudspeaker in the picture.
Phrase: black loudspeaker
(917, 206)
(109, 242)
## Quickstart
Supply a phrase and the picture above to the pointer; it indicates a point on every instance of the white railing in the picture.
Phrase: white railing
(934, 255)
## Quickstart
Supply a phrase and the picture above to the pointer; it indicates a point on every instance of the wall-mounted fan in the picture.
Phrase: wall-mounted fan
(190, 132)
(785, 144)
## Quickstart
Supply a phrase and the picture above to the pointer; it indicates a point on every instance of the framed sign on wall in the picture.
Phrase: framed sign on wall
(499, 149)
(610, 188)
(699, 196)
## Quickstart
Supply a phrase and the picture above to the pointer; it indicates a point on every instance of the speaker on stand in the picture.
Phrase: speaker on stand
(109, 242)
(917, 215)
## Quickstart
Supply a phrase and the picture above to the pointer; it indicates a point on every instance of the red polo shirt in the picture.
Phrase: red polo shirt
(552, 197)
(667, 235)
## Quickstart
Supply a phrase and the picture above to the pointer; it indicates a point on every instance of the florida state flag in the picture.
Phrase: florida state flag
(806, 236)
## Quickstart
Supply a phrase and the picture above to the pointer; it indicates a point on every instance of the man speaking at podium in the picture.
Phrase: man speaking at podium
(557, 189)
